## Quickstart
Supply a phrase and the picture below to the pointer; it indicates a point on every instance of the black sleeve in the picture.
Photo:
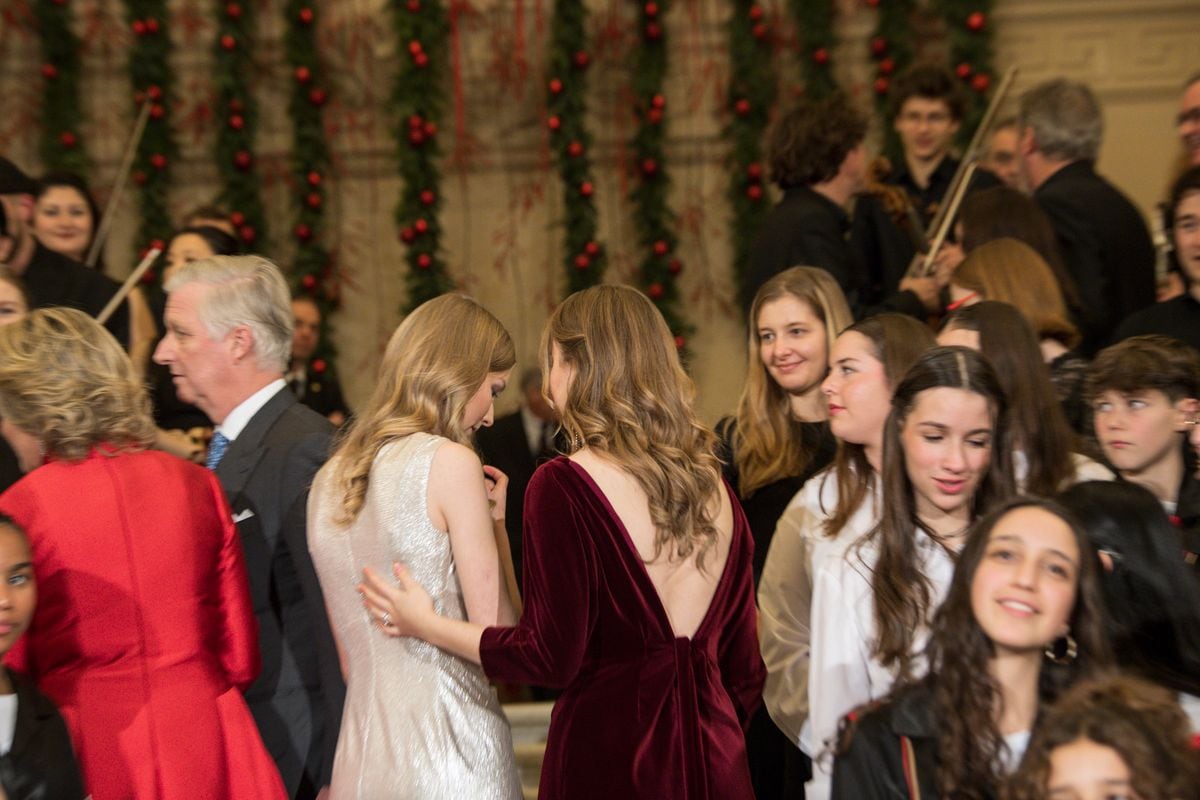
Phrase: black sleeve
(868, 765)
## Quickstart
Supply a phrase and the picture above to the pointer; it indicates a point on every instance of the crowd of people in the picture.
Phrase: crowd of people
(946, 545)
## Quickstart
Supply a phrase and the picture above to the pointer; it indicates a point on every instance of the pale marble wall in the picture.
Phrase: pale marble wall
(503, 201)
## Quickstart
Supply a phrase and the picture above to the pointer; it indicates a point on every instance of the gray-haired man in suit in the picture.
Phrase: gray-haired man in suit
(227, 342)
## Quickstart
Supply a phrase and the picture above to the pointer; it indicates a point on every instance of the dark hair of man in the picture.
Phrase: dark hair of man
(900, 590)
(931, 82)
(808, 144)
(1036, 423)
(1184, 185)
(965, 696)
(899, 340)
(1151, 595)
(1146, 362)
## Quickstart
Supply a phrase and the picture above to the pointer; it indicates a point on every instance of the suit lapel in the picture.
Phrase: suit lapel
(246, 450)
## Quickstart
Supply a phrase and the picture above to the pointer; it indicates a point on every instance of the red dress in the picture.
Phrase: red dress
(644, 714)
(144, 634)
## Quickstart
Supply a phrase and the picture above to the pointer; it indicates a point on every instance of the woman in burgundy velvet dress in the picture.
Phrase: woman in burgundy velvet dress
(638, 590)
(144, 633)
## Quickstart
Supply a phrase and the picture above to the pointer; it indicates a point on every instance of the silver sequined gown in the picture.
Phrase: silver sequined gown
(418, 723)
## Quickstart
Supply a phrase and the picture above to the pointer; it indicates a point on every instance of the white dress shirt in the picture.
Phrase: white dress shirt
(237, 420)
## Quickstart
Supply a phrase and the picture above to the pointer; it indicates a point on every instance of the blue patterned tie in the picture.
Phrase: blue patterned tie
(216, 449)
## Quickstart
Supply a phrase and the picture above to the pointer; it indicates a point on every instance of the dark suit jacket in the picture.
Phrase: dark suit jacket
(505, 447)
(323, 393)
(297, 700)
(1105, 247)
(41, 764)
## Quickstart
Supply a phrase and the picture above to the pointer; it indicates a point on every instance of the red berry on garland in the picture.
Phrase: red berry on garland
(408, 235)
(553, 122)
(237, 218)
(424, 261)
(139, 27)
(759, 31)
(653, 31)
(649, 167)
(303, 232)
(148, 275)
(233, 11)
(661, 248)
(306, 16)
(67, 139)
(575, 149)
(49, 71)
(157, 111)
(228, 43)
(754, 192)
(976, 21)
(881, 85)
(314, 178)
(582, 262)
(981, 82)
(963, 70)
(680, 342)
(582, 59)
(313, 200)
(556, 86)
(887, 66)
(242, 160)
(414, 6)
(428, 197)
(756, 12)
(651, 9)
(742, 107)
(237, 122)
(415, 121)
(303, 74)
(154, 92)
(658, 101)
(592, 249)
(587, 189)
(309, 282)
(151, 25)
(158, 161)
(248, 234)
(430, 128)
(654, 116)
(421, 226)
(416, 137)
(317, 97)
(675, 266)
(421, 60)
(319, 366)
(140, 178)
(236, 106)
(655, 291)
(879, 46)
(754, 171)
(414, 47)
(821, 56)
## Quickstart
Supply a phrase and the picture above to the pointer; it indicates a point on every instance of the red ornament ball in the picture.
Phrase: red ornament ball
(303, 74)
(655, 291)
(319, 365)
(881, 85)
(820, 56)
(754, 192)
(742, 107)
(651, 9)
(233, 11)
(587, 189)
(416, 121)
(242, 160)
(575, 149)
(754, 171)
(759, 31)
(415, 47)
(49, 71)
(421, 226)
(151, 25)
(304, 233)
(658, 101)
(581, 60)
(148, 275)
(421, 60)
(582, 262)
(237, 106)
(228, 43)
(247, 233)
(139, 27)
(661, 248)
(157, 111)
(553, 122)
(313, 200)
(430, 128)
(416, 137)
(756, 12)
(305, 16)
(314, 178)
(675, 266)
(237, 218)
(414, 6)
(654, 116)
(408, 235)
(158, 161)
(67, 139)
(154, 92)
(649, 167)
(887, 66)
(976, 21)
(556, 86)
(592, 249)
(317, 97)
(879, 46)
(653, 31)
(680, 342)
(237, 122)
(963, 70)
(981, 82)
(428, 197)
(309, 282)
(424, 261)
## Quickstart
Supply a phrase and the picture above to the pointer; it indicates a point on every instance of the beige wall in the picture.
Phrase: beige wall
(502, 209)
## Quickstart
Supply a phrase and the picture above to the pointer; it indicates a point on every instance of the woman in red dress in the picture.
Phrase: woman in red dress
(144, 633)
(639, 598)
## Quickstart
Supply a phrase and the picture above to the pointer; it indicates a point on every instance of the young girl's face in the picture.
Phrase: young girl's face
(1085, 770)
(857, 390)
(18, 590)
(947, 441)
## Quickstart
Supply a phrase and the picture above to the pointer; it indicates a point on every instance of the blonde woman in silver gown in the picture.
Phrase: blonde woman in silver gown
(404, 485)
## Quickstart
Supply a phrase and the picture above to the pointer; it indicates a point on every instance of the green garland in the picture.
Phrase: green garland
(751, 93)
(61, 144)
(660, 267)
(815, 42)
(566, 108)
(418, 101)
(971, 54)
(237, 120)
(312, 268)
(892, 46)
(153, 82)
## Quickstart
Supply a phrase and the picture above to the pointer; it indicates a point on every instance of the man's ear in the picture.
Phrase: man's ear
(1026, 142)
(241, 340)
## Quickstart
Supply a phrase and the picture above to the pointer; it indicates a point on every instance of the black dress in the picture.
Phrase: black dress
(41, 763)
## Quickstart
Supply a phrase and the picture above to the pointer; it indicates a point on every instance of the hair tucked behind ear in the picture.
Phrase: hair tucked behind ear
(631, 402)
(436, 360)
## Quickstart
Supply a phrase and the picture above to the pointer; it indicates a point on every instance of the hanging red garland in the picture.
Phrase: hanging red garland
(61, 146)
(153, 81)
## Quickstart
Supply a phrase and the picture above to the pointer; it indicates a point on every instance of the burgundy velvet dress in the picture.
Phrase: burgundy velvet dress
(144, 634)
(644, 714)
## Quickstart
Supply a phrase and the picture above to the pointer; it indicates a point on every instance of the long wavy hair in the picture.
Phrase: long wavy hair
(899, 340)
(1037, 424)
(631, 402)
(66, 381)
(768, 444)
(434, 363)
(902, 594)
(966, 699)
(1142, 722)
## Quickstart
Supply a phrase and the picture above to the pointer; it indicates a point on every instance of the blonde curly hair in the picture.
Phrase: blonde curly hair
(66, 381)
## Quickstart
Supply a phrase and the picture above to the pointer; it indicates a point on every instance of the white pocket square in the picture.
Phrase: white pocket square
(244, 514)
